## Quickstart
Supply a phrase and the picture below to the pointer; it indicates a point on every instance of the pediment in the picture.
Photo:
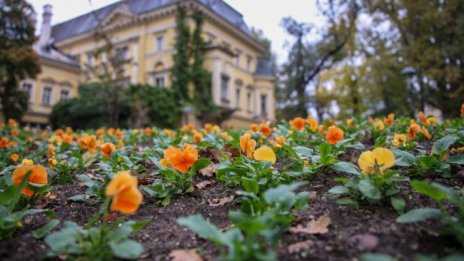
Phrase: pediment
(118, 16)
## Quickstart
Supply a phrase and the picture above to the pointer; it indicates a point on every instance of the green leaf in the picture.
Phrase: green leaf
(380, 141)
(324, 149)
(347, 201)
(303, 152)
(41, 232)
(250, 185)
(200, 164)
(78, 198)
(202, 227)
(419, 214)
(403, 158)
(346, 167)
(275, 194)
(398, 204)
(369, 190)
(442, 145)
(376, 257)
(429, 190)
(339, 190)
(456, 159)
(127, 249)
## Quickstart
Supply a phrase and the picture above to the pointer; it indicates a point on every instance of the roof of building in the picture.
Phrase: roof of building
(49, 52)
(87, 22)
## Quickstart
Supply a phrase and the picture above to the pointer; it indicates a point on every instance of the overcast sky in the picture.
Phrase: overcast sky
(262, 14)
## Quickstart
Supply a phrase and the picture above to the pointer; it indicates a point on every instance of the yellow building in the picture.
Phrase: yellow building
(143, 34)
(58, 80)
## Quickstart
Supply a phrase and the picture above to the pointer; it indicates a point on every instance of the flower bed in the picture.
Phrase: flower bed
(380, 188)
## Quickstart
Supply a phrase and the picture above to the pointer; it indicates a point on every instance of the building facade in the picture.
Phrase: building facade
(143, 33)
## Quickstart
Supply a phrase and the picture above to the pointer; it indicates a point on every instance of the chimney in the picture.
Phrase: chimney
(46, 30)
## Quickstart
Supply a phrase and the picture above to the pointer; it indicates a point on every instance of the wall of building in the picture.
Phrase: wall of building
(58, 78)
(149, 63)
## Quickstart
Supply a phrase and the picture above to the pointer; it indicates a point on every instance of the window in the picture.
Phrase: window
(159, 81)
(64, 95)
(249, 62)
(90, 59)
(249, 101)
(27, 88)
(224, 88)
(263, 104)
(159, 43)
(46, 95)
(237, 98)
(122, 53)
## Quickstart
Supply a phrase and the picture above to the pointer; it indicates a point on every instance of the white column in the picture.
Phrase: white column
(257, 102)
(216, 81)
(134, 67)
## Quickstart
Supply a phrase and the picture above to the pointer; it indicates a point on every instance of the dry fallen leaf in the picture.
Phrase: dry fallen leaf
(319, 226)
(220, 202)
(300, 246)
(184, 255)
(203, 184)
(208, 171)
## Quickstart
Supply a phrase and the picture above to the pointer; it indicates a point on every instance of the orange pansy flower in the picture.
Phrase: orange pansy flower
(181, 160)
(414, 128)
(106, 149)
(334, 135)
(426, 133)
(126, 197)
(389, 120)
(265, 129)
(254, 127)
(247, 145)
(14, 157)
(88, 142)
(298, 123)
(67, 138)
(197, 138)
(462, 110)
(148, 131)
(38, 176)
(422, 117)
(313, 124)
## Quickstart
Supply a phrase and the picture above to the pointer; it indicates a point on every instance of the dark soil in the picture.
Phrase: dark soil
(352, 231)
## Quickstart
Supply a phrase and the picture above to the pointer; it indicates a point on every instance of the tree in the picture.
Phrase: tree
(190, 80)
(308, 58)
(180, 70)
(17, 58)
(427, 35)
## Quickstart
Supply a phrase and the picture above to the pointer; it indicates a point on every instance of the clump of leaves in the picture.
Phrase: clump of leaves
(256, 227)
(96, 243)
(174, 182)
(11, 213)
(368, 188)
(453, 221)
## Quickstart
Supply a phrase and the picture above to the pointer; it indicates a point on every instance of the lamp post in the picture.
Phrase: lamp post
(415, 94)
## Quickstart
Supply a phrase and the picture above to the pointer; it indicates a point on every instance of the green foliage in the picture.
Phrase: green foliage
(10, 216)
(257, 226)
(188, 65)
(174, 182)
(143, 105)
(253, 176)
(96, 243)
(372, 189)
(17, 58)
(453, 221)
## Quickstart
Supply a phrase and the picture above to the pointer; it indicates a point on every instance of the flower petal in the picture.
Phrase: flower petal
(265, 154)
(366, 162)
(384, 157)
